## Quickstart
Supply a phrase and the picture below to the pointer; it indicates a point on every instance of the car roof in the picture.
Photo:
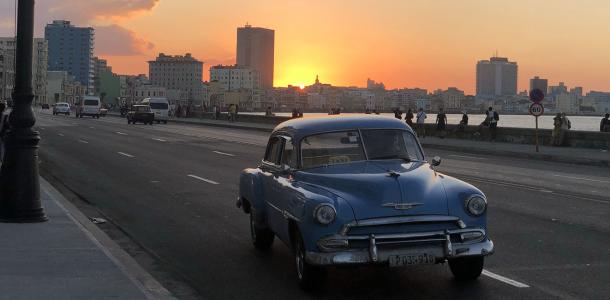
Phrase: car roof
(301, 127)
(141, 105)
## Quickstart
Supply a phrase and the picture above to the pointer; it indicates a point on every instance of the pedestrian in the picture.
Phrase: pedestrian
(493, 118)
(215, 112)
(232, 110)
(268, 112)
(295, 113)
(300, 112)
(236, 113)
(4, 125)
(441, 123)
(179, 111)
(556, 134)
(409, 118)
(375, 111)
(398, 113)
(367, 111)
(420, 118)
(604, 125)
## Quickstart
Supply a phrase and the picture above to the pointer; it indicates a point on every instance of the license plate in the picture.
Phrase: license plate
(411, 259)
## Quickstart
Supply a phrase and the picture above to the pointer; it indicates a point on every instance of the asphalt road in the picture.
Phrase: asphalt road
(172, 188)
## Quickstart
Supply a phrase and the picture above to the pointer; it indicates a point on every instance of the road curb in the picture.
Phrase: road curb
(143, 280)
(538, 156)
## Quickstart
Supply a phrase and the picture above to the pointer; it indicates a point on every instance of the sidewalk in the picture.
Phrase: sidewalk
(68, 257)
(583, 156)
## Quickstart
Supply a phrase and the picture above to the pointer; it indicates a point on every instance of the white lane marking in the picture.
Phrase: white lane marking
(125, 154)
(160, 140)
(223, 153)
(83, 141)
(121, 133)
(91, 127)
(41, 128)
(582, 178)
(203, 179)
(505, 279)
(466, 156)
(60, 134)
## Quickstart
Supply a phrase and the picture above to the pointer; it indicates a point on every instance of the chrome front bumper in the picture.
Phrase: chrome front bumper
(439, 244)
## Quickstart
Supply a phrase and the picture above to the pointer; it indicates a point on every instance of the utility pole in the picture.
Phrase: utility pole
(19, 185)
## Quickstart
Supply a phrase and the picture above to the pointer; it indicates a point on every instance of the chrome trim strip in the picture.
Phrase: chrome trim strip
(274, 207)
(398, 220)
(285, 213)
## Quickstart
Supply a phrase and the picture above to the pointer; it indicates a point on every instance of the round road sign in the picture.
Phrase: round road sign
(536, 95)
(536, 109)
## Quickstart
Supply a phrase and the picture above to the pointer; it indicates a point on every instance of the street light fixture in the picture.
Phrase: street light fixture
(19, 185)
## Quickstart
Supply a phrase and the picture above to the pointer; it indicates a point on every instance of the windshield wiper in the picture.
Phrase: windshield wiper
(392, 157)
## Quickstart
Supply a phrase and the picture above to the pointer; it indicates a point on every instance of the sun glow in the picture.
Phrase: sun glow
(301, 86)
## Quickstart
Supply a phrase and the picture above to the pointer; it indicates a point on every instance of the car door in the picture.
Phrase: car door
(286, 196)
(270, 168)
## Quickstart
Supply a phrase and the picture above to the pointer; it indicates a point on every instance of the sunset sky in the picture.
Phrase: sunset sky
(403, 43)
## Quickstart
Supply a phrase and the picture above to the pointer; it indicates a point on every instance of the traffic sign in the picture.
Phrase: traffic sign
(536, 95)
(536, 109)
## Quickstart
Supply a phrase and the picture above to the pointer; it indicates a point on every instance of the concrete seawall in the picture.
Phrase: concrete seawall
(579, 139)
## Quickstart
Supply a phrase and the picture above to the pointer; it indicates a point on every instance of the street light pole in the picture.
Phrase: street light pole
(19, 185)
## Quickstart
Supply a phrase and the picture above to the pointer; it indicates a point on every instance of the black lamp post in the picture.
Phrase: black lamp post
(19, 186)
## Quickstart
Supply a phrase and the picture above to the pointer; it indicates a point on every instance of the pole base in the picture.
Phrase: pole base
(32, 216)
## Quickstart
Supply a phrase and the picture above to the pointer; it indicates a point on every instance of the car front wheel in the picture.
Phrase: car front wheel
(261, 238)
(309, 276)
(467, 268)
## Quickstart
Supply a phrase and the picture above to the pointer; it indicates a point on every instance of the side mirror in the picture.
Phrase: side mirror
(436, 161)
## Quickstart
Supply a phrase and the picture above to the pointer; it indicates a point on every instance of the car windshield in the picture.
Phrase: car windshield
(91, 102)
(159, 106)
(391, 144)
(142, 108)
(348, 146)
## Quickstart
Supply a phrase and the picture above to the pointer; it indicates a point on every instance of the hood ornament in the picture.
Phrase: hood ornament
(402, 206)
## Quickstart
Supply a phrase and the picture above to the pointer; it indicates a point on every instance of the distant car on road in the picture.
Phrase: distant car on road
(45, 106)
(358, 190)
(160, 107)
(61, 108)
(140, 113)
(103, 112)
(90, 106)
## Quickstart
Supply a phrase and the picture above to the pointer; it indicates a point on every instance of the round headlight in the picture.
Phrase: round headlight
(324, 214)
(476, 205)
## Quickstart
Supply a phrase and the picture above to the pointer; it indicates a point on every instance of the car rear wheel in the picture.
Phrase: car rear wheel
(261, 238)
(467, 268)
(309, 276)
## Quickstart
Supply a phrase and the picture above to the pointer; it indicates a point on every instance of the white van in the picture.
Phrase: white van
(159, 106)
(89, 107)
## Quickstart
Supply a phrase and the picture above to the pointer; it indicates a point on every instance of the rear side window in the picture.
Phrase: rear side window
(289, 155)
(91, 102)
(159, 106)
(274, 148)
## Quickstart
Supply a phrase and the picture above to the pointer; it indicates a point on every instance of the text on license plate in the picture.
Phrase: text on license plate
(411, 259)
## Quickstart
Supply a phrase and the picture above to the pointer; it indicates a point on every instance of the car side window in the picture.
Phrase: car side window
(274, 148)
(289, 155)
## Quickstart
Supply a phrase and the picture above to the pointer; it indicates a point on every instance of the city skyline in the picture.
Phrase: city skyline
(402, 45)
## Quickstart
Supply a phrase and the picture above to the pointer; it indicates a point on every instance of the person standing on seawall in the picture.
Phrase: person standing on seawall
(556, 134)
(441, 122)
(493, 117)
(3, 128)
(421, 119)
(409, 118)
(604, 125)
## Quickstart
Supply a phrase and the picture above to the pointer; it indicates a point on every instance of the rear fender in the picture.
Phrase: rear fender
(251, 191)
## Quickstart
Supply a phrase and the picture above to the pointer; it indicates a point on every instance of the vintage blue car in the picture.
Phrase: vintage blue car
(358, 190)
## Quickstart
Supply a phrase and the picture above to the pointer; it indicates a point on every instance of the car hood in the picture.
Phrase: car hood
(377, 188)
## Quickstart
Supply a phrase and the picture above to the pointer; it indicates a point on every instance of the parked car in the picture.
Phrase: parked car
(358, 190)
(103, 112)
(159, 106)
(140, 113)
(89, 107)
(61, 108)
(45, 106)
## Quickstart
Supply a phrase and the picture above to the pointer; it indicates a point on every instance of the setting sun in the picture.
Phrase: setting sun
(302, 86)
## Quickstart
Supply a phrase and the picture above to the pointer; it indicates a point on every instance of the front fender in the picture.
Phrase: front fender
(310, 229)
(457, 193)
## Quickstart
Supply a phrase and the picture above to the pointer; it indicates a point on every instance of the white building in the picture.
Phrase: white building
(496, 77)
(149, 90)
(178, 72)
(567, 103)
(232, 78)
(39, 68)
